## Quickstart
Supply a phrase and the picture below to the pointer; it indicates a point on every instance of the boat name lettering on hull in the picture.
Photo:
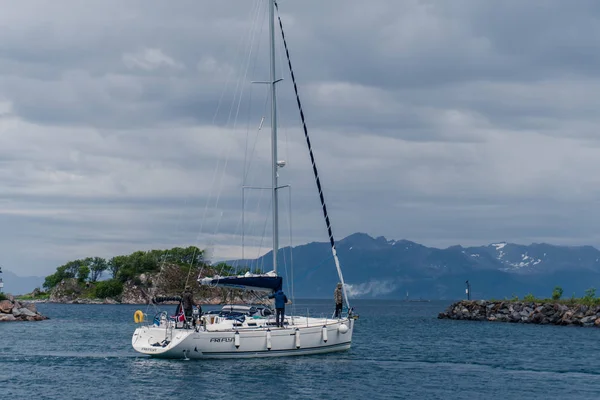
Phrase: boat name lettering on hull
(148, 349)
(221, 340)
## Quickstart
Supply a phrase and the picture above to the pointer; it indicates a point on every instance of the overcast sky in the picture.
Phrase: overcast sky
(126, 126)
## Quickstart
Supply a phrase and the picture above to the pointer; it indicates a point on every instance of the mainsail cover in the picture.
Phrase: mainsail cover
(259, 282)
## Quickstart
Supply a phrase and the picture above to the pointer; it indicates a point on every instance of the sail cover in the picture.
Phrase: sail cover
(262, 282)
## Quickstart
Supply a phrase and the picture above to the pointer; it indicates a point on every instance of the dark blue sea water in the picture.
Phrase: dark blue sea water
(400, 350)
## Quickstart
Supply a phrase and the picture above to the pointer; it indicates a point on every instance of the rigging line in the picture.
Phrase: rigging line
(256, 227)
(237, 90)
(215, 173)
(240, 223)
(292, 254)
(249, 157)
(241, 79)
(248, 162)
(247, 200)
(258, 204)
(262, 262)
(257, 4)
(241, 220)
(246, 69)
(256, 138)
(312, 159)
(254, 65)
(234, 125)
(285, 268)
(250, 104)
(192, 264)
(280, 109)
(247, 166)
(260, 299)
(290, 272)
(244, 231)
(250, 101)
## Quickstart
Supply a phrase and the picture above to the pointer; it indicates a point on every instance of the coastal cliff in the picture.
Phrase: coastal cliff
(13, 310)
(547, 312)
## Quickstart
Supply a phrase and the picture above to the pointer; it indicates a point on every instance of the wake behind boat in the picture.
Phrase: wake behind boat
(251, 330)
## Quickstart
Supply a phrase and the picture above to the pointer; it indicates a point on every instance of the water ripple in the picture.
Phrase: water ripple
(400, 350)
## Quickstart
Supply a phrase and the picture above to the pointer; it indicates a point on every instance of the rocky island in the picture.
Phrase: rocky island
(137, 278)
(13, 310)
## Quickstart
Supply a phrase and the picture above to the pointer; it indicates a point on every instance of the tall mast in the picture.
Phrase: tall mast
(274, 135)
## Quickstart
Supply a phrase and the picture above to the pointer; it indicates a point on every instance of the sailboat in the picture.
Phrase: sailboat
(248, 331)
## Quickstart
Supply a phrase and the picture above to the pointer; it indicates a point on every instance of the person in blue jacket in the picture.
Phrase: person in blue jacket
(280, 300)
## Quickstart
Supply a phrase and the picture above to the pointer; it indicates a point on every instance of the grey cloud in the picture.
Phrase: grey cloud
(440, 122)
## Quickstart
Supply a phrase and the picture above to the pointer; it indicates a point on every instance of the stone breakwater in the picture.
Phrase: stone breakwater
(12, 310)
(524, 312)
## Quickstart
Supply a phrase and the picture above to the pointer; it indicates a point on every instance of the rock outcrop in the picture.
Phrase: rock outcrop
(66, 292)
(13, 310)
(524, 312)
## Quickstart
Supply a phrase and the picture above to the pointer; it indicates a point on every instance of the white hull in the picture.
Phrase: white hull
(304, 336)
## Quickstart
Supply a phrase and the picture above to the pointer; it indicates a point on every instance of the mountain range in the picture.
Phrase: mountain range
(381, 268)
(20, 284)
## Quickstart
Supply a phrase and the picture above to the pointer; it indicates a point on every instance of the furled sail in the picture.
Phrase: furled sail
(259, 282)
(163, 299)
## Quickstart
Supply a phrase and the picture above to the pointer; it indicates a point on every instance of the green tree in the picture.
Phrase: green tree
(52, 280)
(190, 255)
(144, 261)
(529, 298)
(115, 264)
(108, 288)
(127, 267)
(97, 266)
(66, 271)
(137, 263)
(83, 273)
(72, 267)
(557, 293)
(590, 296)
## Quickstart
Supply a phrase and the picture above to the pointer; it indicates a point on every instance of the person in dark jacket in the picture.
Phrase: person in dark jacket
(280, 300)
(188, 303)
(339, 300)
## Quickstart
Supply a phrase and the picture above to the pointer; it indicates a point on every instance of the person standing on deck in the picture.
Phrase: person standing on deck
(280, 300)
(188, 303)
(339, 300)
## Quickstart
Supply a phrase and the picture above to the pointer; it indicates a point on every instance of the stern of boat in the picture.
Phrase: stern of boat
(158, 341)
